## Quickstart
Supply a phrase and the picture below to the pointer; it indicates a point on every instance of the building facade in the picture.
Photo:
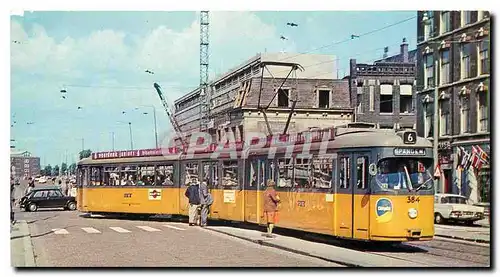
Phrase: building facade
(24, 165)
(384, 92)
(238, 96)
(460, 42)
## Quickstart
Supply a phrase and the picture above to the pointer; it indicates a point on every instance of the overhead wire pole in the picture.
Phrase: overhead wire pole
(436, 126)
(204, 91)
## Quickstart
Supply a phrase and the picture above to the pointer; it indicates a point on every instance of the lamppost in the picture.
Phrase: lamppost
(130, 130)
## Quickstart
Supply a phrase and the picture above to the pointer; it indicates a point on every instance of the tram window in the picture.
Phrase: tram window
(361, 172)
(128, 176)
(215, 175)
(206, 173)
(111, 177)
(302, 176)
(85, 177)
(285, 173)
(322, 173)
(253, 173)
(95, 176)
(190, 172)
(230, 173)
(164, 175)
(146, 175)
(344, 174)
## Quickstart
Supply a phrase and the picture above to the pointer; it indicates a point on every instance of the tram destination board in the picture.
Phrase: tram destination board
(409, 151)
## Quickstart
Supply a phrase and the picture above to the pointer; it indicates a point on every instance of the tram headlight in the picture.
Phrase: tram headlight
(412, 213)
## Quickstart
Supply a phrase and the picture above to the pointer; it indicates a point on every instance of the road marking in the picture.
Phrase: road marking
(119, 229)
(147, 228)
(60, 231)
(173, 227)
(91, 230)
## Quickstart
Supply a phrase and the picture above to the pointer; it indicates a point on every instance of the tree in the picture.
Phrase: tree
(64, 168)
(55, 170)
(48, 170)
(85, 153)
(72, 168)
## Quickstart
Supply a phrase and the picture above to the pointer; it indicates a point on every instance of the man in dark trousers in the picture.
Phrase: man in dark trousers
(193, 194)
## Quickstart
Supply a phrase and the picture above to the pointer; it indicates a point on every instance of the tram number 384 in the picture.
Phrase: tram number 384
(412, 199)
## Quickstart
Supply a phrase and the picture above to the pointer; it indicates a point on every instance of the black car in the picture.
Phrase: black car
(47, 197)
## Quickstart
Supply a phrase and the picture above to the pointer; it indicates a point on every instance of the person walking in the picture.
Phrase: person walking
(12, 200)
(271, 200)
(30, 187)
(205, 201)
(193, 194)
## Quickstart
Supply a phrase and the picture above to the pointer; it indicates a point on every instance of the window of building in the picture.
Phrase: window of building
(285, 170)
(405, 98)
(445, 67)
(323, 99)
(429, 71)
(482, 111)
(230, 173)
(466, 17)
(428, 124)
(465, 65)
(444, 120)
(385, 103)
(344, 174)
(372, 98)
(362, 172)
(322, 171)
(445, 22)
(359, 103)
(283, 97)
(464, 114)
(484, 60)
(429, 27)
(480, 15)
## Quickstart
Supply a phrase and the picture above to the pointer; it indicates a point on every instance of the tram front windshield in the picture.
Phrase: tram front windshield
(403, 175)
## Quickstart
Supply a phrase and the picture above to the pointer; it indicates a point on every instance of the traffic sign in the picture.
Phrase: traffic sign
(437, 171)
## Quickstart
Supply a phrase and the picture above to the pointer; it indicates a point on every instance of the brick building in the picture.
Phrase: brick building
(24, 165)
(384, 92)
(459, 41)
(235, 96)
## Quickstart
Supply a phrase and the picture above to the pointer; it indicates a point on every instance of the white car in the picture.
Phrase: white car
(456, 208)
(42, 180)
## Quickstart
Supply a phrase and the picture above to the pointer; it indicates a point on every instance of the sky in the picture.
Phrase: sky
(100, 59)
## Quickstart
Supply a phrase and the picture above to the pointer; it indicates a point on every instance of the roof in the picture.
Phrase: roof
(412, 58)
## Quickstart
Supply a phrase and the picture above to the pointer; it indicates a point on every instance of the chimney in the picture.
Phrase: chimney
(386, 50)
(404, 51)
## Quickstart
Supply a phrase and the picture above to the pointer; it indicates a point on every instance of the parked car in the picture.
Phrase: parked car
(42, 180)
(455, 208)
(46, 197)
(486, 207)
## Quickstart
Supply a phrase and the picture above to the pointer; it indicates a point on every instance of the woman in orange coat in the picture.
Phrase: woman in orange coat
(271, 200)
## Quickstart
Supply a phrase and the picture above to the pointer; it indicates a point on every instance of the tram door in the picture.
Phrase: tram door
(253, 190)
(352, 203)
(360, 195)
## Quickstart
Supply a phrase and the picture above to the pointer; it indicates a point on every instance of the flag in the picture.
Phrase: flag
(460, 155)
(466, 161)
(481, 157)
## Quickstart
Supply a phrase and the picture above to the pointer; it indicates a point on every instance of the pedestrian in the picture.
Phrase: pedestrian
(193, 194)
(31, 182)
(205, 201)
(68, 188)
(29, 188)
(271, 200)
(12, 200)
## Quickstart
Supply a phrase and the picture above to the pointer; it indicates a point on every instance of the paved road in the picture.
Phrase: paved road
(66, 239)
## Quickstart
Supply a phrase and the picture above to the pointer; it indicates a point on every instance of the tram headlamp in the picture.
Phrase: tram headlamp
(412, 213)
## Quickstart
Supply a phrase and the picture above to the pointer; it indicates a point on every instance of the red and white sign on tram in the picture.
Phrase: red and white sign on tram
(154, 194)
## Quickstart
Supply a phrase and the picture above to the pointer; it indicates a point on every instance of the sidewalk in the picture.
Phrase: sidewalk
(479, 234)
(21, 249)
(330, 253)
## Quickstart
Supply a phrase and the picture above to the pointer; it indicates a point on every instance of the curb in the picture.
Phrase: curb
(264, 243)
(23, 234)
(466, 239)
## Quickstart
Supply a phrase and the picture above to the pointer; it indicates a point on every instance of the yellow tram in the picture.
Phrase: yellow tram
(364, 184)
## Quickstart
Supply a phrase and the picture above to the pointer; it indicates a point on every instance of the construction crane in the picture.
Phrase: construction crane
(204, 90)
(171, 117)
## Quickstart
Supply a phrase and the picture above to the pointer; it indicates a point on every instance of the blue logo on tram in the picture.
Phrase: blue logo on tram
(384, 210)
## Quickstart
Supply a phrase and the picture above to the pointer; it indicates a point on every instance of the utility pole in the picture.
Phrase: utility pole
(436, 126)
(156, 131)
(113, 140)
(83, 144)
(131, 141)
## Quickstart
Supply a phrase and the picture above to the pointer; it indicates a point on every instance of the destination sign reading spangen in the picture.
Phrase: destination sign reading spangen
(409, 151)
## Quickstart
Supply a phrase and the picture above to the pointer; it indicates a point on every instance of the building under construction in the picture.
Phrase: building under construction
(271, 93)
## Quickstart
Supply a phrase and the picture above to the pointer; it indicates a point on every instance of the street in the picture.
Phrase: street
(72, 239)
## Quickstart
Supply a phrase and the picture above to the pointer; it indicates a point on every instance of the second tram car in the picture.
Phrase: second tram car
(364, 184)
